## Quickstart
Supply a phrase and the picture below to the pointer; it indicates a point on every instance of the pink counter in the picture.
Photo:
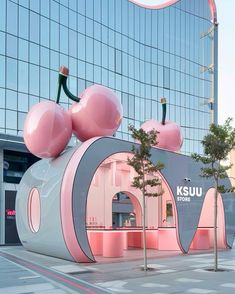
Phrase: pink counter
(135, 239)
(112, 243)
(152, 239)
(167, 239)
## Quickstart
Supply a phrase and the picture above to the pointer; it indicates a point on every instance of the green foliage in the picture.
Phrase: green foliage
(217, 145)
(141, 162)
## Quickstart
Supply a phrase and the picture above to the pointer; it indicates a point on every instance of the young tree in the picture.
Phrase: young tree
(217, 145)
(146, 172)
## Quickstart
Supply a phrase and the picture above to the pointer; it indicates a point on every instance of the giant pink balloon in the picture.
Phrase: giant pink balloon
(99, 113)
(47, 129)
(169, 136)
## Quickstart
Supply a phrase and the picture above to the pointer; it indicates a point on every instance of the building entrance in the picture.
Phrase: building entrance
(123, 211)
(11, 235)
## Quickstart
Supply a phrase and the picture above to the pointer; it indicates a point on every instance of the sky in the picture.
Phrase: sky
(226, 68)
(226, 57)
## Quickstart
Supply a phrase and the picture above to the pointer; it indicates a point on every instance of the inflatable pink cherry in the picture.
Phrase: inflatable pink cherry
(99, 113)
(170, 136)
(47, 129)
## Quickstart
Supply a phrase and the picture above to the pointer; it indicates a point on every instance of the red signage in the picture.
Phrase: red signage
(10, 212)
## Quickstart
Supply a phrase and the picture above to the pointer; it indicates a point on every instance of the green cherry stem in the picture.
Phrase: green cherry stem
(63, 75)
(59, 89)
(67, 92)
(163, 101)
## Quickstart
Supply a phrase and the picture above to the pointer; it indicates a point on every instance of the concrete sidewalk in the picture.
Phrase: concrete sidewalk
(172, 273)
(15, 279)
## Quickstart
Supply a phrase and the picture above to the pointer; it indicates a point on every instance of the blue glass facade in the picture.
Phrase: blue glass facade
(141, 54)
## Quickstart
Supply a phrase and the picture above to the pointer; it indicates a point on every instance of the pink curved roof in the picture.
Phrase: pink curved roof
(211, 4)
(154, 6)
(213, 10)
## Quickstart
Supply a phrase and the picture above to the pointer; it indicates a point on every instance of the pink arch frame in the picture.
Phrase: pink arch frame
(69, 233)
(171, 2)
(207, 216)
(66, 206)
(175, 211)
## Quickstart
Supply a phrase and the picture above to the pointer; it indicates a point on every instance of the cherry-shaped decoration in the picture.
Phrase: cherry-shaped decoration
(99, 113)
(48, 127)
(170, 136)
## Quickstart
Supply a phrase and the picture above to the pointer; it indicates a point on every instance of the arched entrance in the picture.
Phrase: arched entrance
(204, 236)
(114, 206)
(112, 201)
(126, 211)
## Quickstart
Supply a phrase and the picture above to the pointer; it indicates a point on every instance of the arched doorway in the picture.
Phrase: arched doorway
(126, 211)
(114, 206)
(112, 202)
(204, 236)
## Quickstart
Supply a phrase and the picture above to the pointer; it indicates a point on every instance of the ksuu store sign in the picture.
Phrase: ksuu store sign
(186, 193)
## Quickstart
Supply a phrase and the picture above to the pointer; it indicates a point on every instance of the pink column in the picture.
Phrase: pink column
(113, 243)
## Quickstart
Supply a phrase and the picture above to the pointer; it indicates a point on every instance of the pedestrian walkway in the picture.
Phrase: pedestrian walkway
(19, 275)
(182, 274)
(16, 279)
(171, 273)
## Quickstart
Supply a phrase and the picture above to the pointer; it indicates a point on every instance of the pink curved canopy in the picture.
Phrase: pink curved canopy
(154, 6)
(170, 2)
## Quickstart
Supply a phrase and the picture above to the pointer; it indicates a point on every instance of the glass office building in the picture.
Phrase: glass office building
(142, 54)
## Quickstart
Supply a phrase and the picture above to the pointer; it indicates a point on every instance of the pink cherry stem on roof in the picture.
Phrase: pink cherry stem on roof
(163, 101)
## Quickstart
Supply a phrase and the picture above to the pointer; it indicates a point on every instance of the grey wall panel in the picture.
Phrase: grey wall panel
(229, 212)
(46, 176)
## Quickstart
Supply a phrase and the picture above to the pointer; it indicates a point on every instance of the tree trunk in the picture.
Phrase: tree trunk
(215, 227)
(144, 236)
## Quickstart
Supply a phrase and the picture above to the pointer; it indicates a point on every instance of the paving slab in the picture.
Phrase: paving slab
(171, 272)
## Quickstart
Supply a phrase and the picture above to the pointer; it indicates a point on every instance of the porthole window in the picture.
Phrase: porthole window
(34, 210)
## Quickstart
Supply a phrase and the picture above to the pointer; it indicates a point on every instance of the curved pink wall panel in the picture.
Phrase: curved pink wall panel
(211, 4)
(207, 217)
(66, 205)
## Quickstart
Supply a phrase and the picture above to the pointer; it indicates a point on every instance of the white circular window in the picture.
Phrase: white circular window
(34, 210)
